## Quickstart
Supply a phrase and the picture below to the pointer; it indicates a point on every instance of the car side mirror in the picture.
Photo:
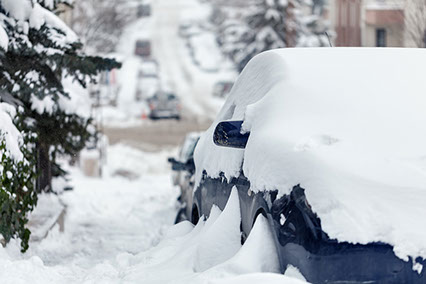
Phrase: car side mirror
(228, 134)
(176, 165)
(171, 160)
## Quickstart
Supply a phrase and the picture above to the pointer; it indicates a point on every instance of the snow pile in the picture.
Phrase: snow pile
(211, 252)
(345, 124)
(44, 216)
(119, 231)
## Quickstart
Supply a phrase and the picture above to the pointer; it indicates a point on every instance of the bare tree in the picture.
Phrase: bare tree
(101, 22)
(415, 22)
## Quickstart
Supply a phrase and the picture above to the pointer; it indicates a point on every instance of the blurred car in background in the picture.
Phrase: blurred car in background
(148, 68)
(144, 10)
(143, 48)
(183, 173)
(222, 88)
(164, 105)
(188, 29)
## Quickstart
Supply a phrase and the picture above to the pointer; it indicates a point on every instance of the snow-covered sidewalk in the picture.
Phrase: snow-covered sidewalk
(107, 221)
(119, 230)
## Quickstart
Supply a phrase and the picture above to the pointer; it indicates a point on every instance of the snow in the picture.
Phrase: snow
(44, 216)
(45, 105)
(78, 101)
(206, 51)
(8, 131)
(358, 151)
(40, 16)
(119, 230)
(4, 39)
(18, 9)
(36, 15)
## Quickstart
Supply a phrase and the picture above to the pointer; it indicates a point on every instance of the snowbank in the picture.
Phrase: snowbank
(120, 231)
(348, 126)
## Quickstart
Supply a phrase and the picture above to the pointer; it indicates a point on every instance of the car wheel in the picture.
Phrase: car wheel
(180, 216)
(195, 215)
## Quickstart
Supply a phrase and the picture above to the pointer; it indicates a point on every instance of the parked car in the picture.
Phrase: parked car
(164, 105)
(143, 48)
(183, 173)
(148, 68)
(189, 29)
(144, 10)
(328, 145)
(222, 88)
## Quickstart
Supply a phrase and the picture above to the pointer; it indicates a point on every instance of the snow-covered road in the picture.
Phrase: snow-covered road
(177, 71)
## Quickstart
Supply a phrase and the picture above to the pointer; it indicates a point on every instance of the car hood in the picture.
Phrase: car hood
(348, 125)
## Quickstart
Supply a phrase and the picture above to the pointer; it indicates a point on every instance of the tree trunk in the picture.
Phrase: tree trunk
(44, 168)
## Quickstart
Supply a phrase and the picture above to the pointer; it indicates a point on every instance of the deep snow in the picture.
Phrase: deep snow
(345, 124)
(119, 230)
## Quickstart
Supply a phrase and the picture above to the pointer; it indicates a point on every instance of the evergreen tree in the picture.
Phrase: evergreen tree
(37, 52)
(273, 24)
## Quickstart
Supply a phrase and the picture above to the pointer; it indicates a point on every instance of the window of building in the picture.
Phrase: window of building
(380, 37)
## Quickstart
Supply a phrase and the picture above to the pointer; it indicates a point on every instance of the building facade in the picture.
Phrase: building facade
(379, 23)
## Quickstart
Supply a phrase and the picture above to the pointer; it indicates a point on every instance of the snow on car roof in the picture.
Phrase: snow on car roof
(348, 125)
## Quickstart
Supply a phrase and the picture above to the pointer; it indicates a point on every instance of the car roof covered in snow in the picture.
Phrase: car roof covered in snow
(348, 125)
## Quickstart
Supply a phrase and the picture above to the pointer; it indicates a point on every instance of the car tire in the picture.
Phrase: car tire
(180, 216)
(195, 215)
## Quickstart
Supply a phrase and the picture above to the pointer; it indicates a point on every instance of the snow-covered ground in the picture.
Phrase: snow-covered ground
(120, 230)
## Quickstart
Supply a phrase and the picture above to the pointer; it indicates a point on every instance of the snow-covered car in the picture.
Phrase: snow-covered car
(189, 29)
(329, 145)
(148, 68)
(164, 105)
(143, 48)
(144, 10)
(183, 173)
